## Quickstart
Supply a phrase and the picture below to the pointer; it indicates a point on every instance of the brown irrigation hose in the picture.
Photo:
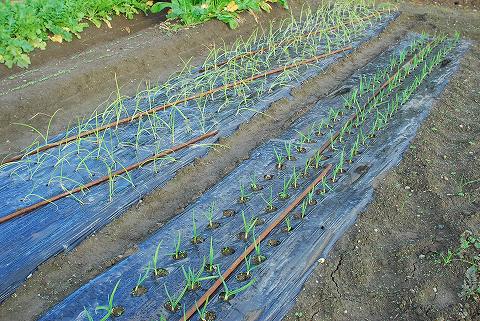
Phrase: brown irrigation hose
(262, 49)
(249, 249)
(103, 179)
(163, 107)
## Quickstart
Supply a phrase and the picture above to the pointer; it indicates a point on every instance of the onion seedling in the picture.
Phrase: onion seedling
(288, 150)
(139, 289)
(254, 184)
(310, 199)
(193, 279)
(325, 187)
(248, 225)
(195, 239)
(280, 159)
(211, 267)
(243, 276)
(269, 201)
(173, 303)
(308, 164)
(228, 294)
(288, 225)
(294, 178)
(158, 271)
(258, 257)
(205, 315)
(283, 195)
(243, 195)
(209, 215)
(110, 309)
(178, 254)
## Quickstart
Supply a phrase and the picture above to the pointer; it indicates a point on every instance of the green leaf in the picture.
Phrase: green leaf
(159, 6)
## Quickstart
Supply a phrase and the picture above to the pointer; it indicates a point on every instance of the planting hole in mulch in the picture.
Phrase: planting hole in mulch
(273, 242)
(287, 229)
(243, 200)
(228, 213)
(194, 287)
(291, 158)
(139, 290)
(301, 149)
(160, 273)
(118, 311)
(180, 255)
(270, 209)
(258, 259)
(259, 221)
(242, 236)
(280, 166)
(169, 307)
(223, 297)
(268, 177)
(210, 268)
(210, 316)
(243, 276)
(213, 225)
(227, 250)
(312, 202)
(298, 216)
(283, 196)
(197, 240)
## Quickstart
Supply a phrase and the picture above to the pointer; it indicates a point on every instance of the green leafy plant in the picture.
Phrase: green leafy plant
(191, 12)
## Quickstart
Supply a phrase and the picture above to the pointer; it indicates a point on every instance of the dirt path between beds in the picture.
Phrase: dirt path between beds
(384, 267)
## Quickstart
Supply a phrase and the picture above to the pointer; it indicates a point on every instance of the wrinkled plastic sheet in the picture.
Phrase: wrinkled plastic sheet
(280, 278)
(58, 227)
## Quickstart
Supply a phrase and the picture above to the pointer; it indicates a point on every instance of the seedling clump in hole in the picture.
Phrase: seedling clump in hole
(158, 271)
(111, 310)
(209, 215)
(139, 289)
(178, 254)
(228, 294)
(243, 276)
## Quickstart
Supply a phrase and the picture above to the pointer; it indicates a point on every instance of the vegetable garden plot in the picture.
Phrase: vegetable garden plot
(231, 87)
(343, 143)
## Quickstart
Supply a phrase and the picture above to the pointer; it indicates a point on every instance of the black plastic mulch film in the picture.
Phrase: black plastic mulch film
(288, 264)
(60, 226)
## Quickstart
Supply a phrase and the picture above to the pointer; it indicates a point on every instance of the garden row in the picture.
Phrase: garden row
(105, 163)
(238, 240)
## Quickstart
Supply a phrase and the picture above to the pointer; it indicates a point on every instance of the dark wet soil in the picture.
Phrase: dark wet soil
(384, 267)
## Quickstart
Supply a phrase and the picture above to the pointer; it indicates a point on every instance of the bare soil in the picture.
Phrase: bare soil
(384, 267)
(79, 82)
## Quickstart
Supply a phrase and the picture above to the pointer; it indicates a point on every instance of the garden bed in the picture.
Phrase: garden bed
(91, 164)
(258, 187)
